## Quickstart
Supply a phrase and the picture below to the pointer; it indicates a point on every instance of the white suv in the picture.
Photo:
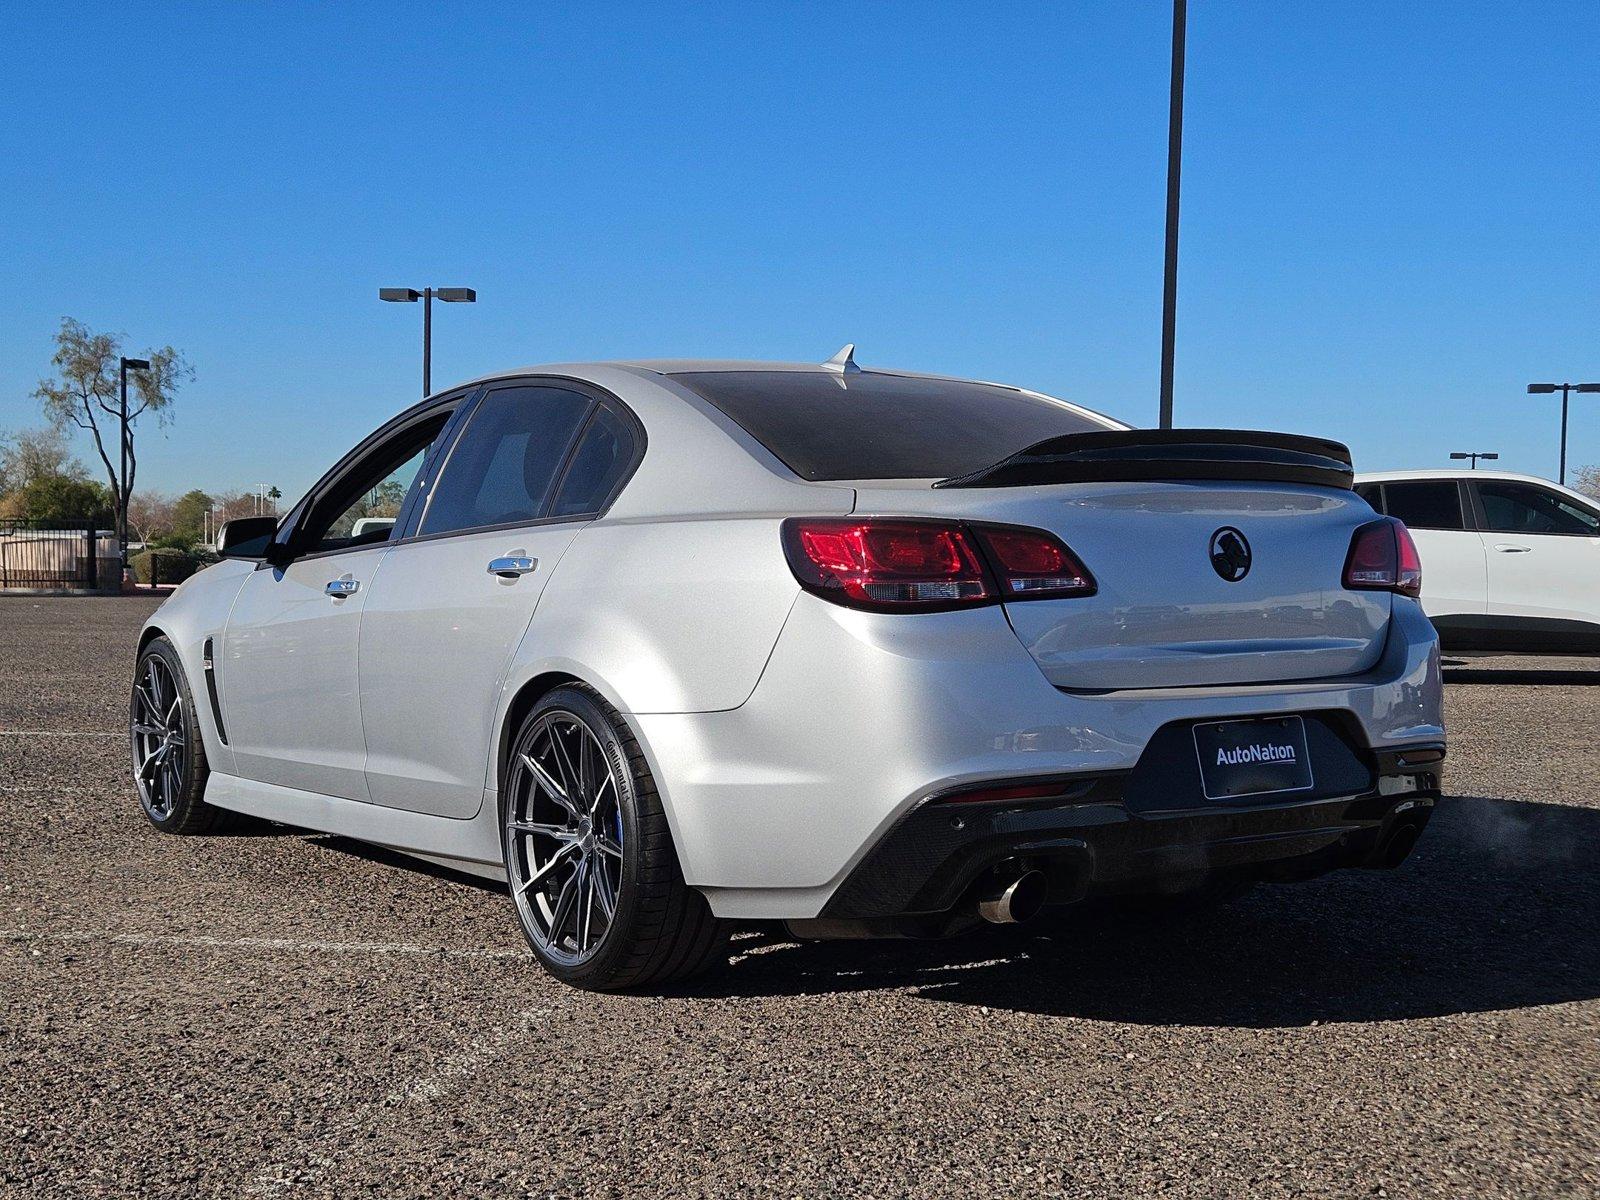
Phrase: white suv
(1511, 563)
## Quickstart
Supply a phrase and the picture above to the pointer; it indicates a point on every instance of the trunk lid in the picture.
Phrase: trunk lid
(1164, 615)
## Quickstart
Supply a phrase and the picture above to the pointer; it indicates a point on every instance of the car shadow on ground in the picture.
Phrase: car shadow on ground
(1498, 908)
(393, 858)
(1563, 677)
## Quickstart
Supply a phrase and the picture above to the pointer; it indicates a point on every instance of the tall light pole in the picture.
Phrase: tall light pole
(1566, 389)
(124, 365)
(426, 295)
(1169, 287)
(1459, 456)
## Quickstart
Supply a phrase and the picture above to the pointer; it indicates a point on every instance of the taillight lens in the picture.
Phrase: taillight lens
(926, 566)
(898, 566)
(1383, 558)
(1032, 564)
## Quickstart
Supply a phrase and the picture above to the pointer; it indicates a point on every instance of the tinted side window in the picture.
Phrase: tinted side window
(604, 453)
(504, 463)
(1523, 508)
(1426, 503)
(1372, 493)
(361, 509)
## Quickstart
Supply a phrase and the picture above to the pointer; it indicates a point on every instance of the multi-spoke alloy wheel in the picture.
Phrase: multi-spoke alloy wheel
(169, 761)
(589, 857)
(158, 738)
(564, 826)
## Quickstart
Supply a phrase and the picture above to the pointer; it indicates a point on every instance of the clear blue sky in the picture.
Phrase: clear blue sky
(1390, 221)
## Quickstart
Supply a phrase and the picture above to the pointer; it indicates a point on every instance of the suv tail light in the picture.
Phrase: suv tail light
(1383, 558)
(901, 565)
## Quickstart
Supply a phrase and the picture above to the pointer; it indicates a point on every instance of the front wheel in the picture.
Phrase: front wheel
(169, 759)
(589, 859)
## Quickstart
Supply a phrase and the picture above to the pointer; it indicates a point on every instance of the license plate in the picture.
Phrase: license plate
(1252, 758)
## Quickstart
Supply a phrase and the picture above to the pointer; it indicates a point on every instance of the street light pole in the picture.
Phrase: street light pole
(124, 365)
(1566, 390)
(1475, 456)
(426, 295)
(1169, 286)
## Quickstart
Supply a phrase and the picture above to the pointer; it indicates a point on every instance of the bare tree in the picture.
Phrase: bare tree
(235, 503)
(150, 516)
(86, 395)
(34, 454)
(1587, 481)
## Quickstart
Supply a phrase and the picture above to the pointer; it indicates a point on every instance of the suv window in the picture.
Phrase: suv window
(1425, 503)
(1524, 508)
(504, 463)
(873, 425)
(604, 454)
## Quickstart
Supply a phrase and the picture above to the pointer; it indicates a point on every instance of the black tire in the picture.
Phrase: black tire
(174, 803)
(662, 931)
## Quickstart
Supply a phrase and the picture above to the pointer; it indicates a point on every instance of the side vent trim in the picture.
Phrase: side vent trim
(211, 692)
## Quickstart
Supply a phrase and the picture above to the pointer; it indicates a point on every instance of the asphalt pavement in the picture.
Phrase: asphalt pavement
(276, 1013)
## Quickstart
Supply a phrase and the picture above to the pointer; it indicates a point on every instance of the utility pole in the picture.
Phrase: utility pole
(1169, 289)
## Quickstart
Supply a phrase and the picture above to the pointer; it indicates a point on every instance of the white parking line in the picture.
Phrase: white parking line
(303, 1161)
(56, 733)
(254, 943)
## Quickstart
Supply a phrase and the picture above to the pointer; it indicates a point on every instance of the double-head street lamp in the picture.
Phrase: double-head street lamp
(1474, 456)
(427, 296)
(1545, 389)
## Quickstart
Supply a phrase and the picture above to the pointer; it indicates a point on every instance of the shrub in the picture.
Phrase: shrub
(174, 566)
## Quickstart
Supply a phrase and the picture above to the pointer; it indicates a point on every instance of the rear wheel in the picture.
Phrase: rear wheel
(169, 760)
(589, 859)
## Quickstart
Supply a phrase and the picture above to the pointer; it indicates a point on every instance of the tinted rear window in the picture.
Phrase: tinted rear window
(1425, 504)
(877, 426)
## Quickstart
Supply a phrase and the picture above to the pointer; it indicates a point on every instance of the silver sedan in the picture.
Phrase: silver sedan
(671, 645)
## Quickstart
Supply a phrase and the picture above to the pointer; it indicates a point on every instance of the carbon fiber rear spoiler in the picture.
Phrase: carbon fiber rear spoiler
(1162, 455)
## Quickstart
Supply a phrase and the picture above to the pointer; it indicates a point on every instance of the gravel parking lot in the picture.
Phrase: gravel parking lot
(275, 1013)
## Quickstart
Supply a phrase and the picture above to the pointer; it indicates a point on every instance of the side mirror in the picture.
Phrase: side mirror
(246, 537)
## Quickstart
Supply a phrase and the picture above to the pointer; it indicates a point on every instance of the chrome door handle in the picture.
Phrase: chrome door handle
(1506, 548)
(342, 587)
(512, 565)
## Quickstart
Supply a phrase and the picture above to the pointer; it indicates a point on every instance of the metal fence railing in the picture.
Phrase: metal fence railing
(56, 554)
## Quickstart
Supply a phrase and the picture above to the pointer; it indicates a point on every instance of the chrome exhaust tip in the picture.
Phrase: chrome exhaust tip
(1018, 901)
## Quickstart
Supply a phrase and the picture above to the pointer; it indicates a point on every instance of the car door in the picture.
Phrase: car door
(534, 460)
(288, 670)
(1454, 575)
(1544, 566)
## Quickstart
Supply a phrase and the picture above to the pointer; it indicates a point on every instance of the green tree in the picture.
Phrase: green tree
(189, 516)
(62, 498)
(86, 395)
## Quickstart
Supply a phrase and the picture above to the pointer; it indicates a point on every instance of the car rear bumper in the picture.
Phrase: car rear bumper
(862, 719)
(1092, 842)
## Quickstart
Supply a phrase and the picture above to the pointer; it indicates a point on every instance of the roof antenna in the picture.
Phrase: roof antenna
(843, 362)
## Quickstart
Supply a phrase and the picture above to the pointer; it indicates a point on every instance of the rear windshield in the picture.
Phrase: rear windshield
(875, 426)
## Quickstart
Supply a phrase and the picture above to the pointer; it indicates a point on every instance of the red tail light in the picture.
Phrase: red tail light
(1383, 558)
(1032, 564)
(928, 566)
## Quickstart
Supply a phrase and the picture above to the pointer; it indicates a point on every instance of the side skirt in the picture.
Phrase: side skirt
(468, 845)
